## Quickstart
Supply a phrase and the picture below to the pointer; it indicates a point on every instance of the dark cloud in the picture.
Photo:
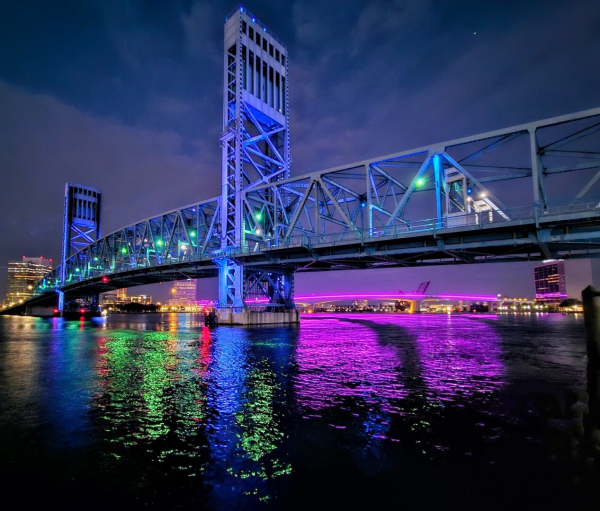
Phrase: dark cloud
(419, 72)
(126, 96)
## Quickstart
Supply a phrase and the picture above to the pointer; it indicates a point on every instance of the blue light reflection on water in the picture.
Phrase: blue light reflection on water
(157, 405)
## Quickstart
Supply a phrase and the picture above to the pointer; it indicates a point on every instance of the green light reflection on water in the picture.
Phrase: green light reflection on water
(154, 399)
(260, 430)
(151, 388)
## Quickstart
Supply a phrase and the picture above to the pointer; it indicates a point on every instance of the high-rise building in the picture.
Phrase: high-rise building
(22, 277)
(550, 282)
(184, 292)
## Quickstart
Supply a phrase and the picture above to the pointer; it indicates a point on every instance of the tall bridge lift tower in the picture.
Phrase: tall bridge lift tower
(255, 151)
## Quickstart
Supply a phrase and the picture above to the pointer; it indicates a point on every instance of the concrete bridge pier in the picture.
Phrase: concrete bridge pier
(248, 317)
(40, 311)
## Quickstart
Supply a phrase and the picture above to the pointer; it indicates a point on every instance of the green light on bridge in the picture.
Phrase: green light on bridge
(420, 182)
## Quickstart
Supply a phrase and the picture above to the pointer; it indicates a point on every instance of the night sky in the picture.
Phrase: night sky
(126, 97)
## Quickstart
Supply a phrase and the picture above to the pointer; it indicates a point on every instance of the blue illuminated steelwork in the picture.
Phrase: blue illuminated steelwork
(172, 246)
(437, 204)
(256, 151)
(82, 225)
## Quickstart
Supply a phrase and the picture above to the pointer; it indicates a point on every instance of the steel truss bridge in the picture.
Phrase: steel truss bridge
(514, 194)
(359, 215)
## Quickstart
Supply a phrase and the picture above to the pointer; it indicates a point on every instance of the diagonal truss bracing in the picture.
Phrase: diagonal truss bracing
(493, 177)
(188, 234)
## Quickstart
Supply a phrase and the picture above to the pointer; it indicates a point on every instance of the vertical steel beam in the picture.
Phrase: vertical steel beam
(537, 173)
(437, 171)
(368, 178)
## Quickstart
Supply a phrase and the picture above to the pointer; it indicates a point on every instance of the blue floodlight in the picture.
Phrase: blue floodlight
(469, 191)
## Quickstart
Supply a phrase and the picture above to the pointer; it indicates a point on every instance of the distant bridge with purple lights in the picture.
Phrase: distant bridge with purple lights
(393, 296)
(521, 193)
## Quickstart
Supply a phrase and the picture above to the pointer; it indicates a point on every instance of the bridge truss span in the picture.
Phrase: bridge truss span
(465, 201)
(495, 196)
(171, 246)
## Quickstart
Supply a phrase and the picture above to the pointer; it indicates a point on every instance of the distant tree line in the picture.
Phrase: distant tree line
(136, 307)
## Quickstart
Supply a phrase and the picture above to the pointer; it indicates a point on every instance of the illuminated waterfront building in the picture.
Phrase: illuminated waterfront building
(23, 275)
(122, 294)
(108, 300)
(520, 305)
(558, 279)
(184, 292)
(550, 282)
(143, 299)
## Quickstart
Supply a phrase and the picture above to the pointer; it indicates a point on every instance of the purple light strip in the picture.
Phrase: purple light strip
(409, 296)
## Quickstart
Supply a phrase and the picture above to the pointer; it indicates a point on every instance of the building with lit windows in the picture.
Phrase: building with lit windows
(184, 292)
(558, 279)
(111, 301)
(550, 282)
(22, 277)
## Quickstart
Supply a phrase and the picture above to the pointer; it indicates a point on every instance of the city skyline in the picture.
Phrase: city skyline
(147, 107)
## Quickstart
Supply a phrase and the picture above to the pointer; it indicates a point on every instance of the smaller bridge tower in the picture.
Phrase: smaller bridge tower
(82, 225)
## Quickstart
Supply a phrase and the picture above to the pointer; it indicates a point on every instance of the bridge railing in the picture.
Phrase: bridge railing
(555, 208)
(395, 231)
(433, 225)
(565, 207)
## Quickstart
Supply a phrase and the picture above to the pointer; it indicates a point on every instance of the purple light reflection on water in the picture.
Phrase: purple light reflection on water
(458, 355)
(385, 357)
(338, 359)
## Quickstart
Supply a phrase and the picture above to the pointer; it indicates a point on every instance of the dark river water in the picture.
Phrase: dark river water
(344, 411)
